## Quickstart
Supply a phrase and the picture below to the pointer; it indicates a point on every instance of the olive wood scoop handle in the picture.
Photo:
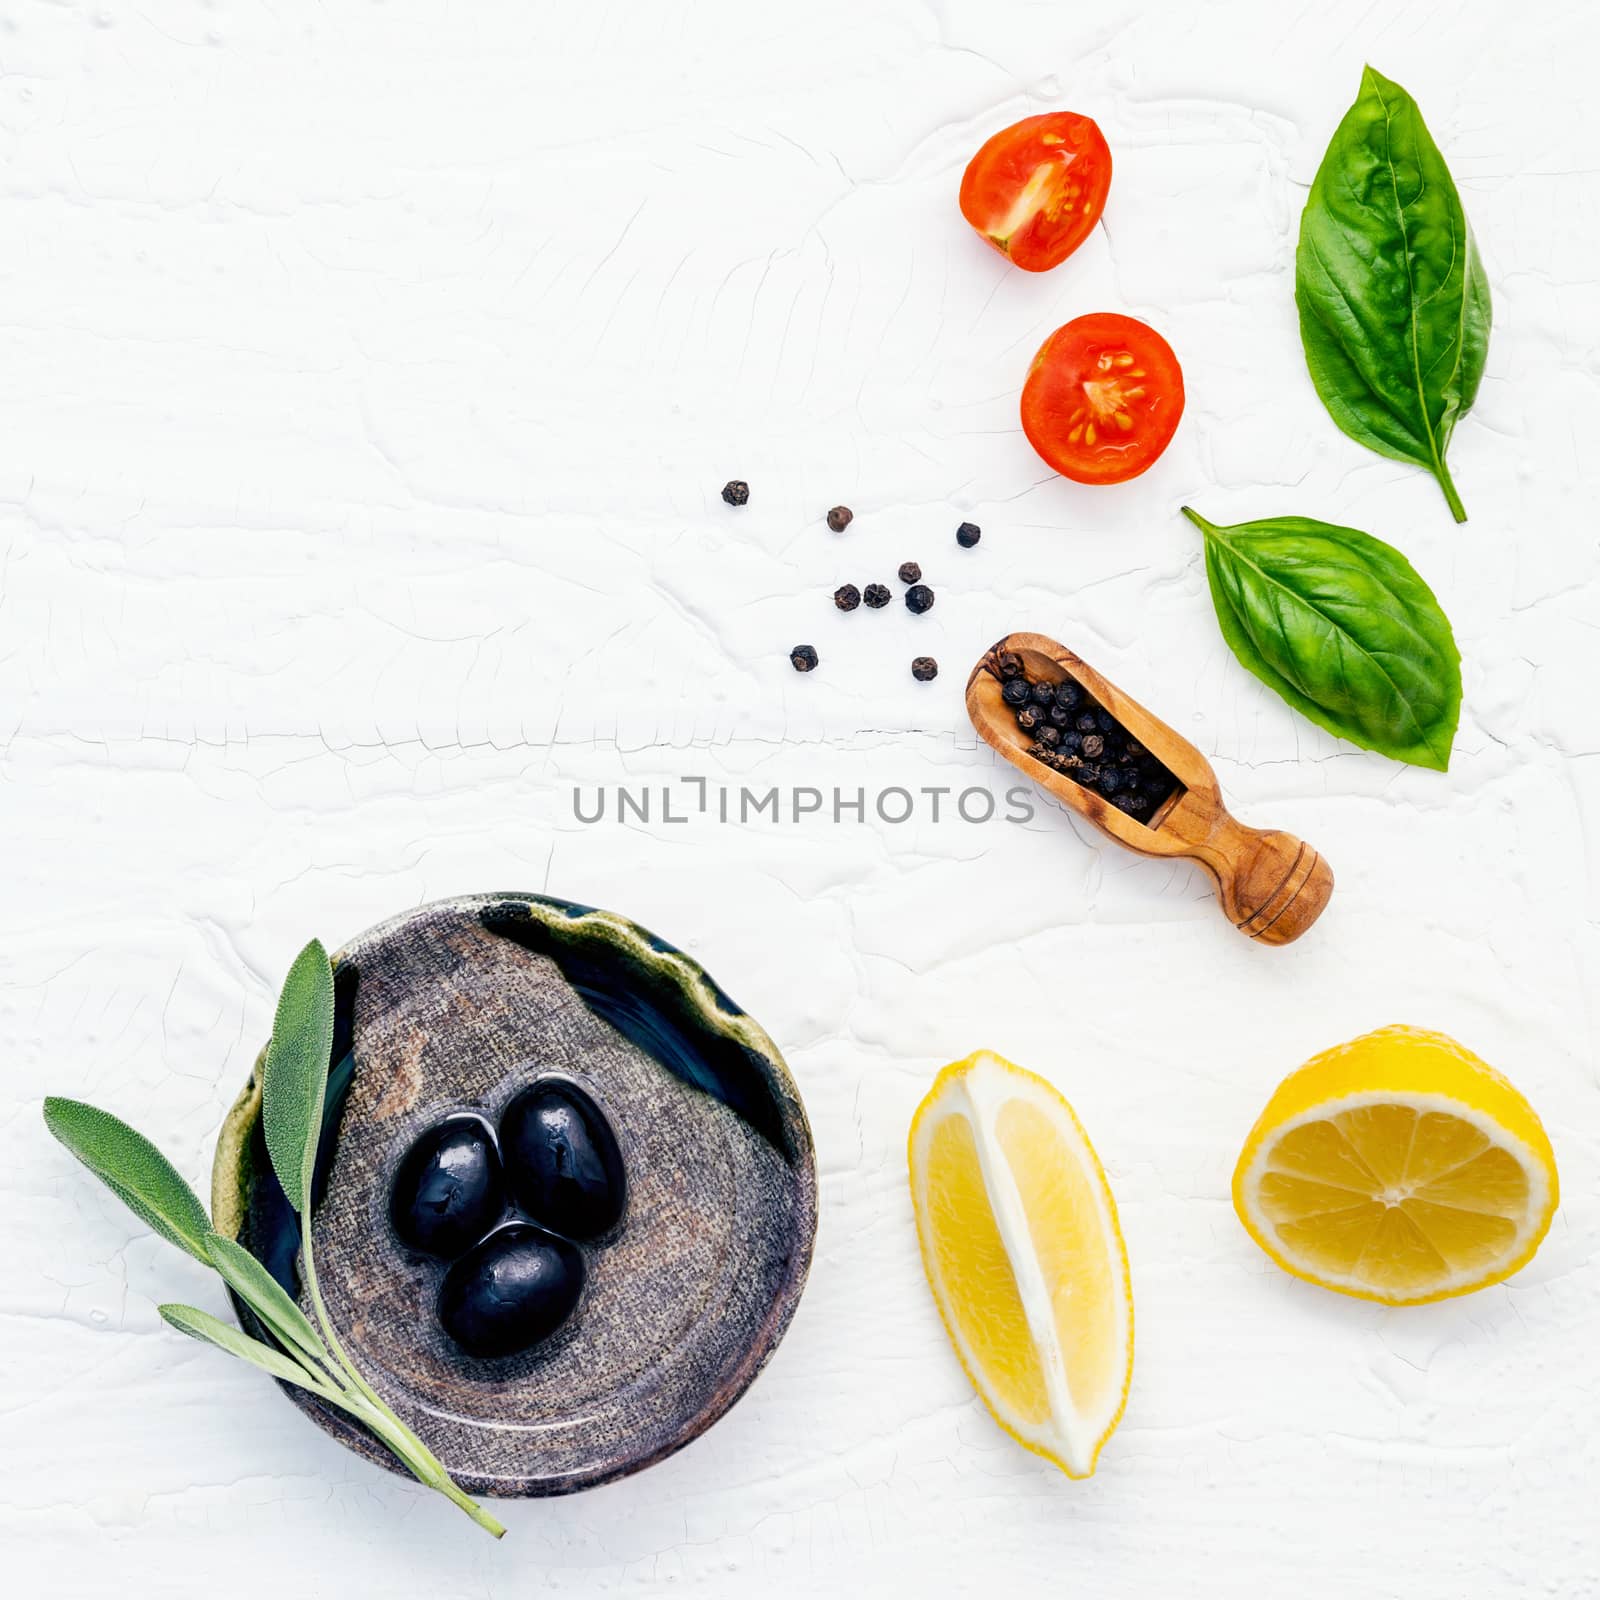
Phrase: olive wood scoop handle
(1271, 885)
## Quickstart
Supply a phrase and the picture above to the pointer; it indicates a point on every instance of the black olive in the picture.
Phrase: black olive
(514, 1289)
(562, 1161)
(449, 1189)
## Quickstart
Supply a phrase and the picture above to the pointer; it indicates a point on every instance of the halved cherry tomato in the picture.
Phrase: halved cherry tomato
(1103, 398)
(1036, 189)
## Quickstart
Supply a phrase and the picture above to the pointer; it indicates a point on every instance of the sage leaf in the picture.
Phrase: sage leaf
(202, 1325)
(1394, 304)
(1341, 626)
(134, 1170)
(295, 1076)
(266, 1297)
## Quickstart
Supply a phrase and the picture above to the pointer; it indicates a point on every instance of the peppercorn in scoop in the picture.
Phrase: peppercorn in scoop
(1073, 734)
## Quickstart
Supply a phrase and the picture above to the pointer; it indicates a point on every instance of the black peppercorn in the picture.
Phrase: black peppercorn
(876, 596)
(1049, 736)
(736, 492)
(1043, 694)
(804, 657)
(847, 597)
(1125, 802)
(840, 518)
(1072, 742)
(1094, 746)
(1110, 780)
(919, 598)
(924, 669)
(1068, 695)
(1135, 750)
(1105, 719)
(968, 534)
(1060, 715)
(1014, 691)
(1088, 774)
(1010, 664)
(1135, 804)
(1029, 717)
(910, 572)
(1086, 723)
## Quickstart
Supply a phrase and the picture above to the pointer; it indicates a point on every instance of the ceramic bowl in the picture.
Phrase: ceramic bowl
(456, 1006)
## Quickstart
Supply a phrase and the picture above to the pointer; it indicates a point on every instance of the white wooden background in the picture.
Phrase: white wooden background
(368, 373)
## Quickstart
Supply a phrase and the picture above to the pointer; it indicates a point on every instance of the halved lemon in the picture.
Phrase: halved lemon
(1023, 1252)
(1399, 1168)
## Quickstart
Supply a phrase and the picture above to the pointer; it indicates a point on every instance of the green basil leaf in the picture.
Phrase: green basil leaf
(1341, 626)
(1394, 303)
(266, 1297)
(202, 1325)
(134, 1170)
(294, 1078)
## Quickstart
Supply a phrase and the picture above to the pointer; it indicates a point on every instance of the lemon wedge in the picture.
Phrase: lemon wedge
(1024, 1255)
(1399, 1168)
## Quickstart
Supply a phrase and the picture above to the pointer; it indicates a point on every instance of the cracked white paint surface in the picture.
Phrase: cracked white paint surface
(369, 375)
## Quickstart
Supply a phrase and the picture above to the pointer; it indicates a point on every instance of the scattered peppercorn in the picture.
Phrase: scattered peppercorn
(840, 518)
(1049, 736)
(1094, 746)
(1029, 718)
(968, 534)
(1086, 723)
(1068, 695)
(1106, 721)
(736, 491)
(1043, 694)
(1014, 691)
(1010, 664)
(804, 657)
(924, 669)
(876, 595)
(1060, 715)
(1110, 780)
(910, 572)
(847, 597)
(919, 598)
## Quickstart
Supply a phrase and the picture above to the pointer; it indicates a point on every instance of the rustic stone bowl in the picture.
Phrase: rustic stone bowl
(457, 1005)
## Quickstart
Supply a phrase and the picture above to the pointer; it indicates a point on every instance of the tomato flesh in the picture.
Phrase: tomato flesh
(1103, 398)
(1036, 189)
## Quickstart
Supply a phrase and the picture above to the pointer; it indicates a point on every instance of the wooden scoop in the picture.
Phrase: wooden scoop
(1271, 885)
